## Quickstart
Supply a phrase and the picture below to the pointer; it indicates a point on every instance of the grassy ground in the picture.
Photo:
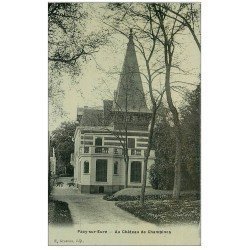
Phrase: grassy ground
(59, 213)
(164, 211)
(132, 194)
(159, 208)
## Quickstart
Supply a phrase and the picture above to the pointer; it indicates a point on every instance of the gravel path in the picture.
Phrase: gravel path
(92, 209)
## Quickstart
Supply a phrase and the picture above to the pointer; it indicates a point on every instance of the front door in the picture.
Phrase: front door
(101, 170)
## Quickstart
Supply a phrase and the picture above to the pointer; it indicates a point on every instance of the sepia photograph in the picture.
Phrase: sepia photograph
(108, 138)
(124, 94)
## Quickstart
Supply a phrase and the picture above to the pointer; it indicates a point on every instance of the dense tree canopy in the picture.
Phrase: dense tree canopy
(162, 173)
(61, 141)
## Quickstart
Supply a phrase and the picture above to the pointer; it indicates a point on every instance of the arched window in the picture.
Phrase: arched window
(86, 167)
(115, 167)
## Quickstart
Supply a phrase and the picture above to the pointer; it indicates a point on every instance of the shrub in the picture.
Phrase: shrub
(161, 176)
(154, 177)
(59, 213)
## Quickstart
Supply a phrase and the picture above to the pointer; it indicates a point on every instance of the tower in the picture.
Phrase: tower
(129, 106)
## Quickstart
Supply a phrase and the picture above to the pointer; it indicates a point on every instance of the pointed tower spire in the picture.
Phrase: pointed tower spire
(131, 36)
(129, 95)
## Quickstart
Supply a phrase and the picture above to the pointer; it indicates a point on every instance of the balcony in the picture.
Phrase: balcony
(135, 151)
(115, 151)
(101, 150)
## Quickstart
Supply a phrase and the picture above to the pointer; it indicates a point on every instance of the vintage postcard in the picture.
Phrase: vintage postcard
(124, 123)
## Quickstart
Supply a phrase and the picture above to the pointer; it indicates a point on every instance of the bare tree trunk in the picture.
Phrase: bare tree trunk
(168, 54)
(144, 180)
(146, 156)
(177, 163)
(126, 171)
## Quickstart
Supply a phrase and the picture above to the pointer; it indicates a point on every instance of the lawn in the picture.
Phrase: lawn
(159, 207)
(59, 213)
(164, 211)
(131, 194)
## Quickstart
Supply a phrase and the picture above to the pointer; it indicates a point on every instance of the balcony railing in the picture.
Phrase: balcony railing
(135, 151)
(101, 150)
(112, 151)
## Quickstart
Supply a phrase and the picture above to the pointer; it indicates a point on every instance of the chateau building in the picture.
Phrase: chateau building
(105, 134)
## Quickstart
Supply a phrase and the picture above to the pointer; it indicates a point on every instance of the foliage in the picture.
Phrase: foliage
(136, 197)
(59, 213)
(133, 194)
(154, 177)
(162, 173)
(161, 212)
(191, 138)
(50, 183)
(68, 38)
(69, 46)
(62, 142)
(162, 23)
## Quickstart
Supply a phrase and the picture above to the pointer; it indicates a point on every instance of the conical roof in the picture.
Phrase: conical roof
(129, 95)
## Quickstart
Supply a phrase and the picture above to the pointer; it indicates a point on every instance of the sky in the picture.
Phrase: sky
(99, 76)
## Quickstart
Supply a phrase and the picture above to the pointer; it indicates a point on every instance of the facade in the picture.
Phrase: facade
(105, 133)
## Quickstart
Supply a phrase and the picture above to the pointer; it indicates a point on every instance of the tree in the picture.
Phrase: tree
(190, 122)
(164, 146)
(69, 46)
(68, 38)
(157, 15)
(63, 145)
(167, 39)
(148, 50)
(188, 15)
(157, 23)
(162, 174)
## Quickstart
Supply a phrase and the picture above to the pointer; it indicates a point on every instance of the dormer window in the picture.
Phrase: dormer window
(131, 142)
(98, 141)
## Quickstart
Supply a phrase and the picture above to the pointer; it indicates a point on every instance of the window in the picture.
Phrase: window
(81, 142)
(82, 137)
(86, 167)
(86, 150)
(98, 141)
(135, 173)
(101, 170)
(116, 167)
(98, 144)
(131, 142)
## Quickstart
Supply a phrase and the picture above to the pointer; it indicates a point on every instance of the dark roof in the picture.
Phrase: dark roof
(129, 95)
(91, 117)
